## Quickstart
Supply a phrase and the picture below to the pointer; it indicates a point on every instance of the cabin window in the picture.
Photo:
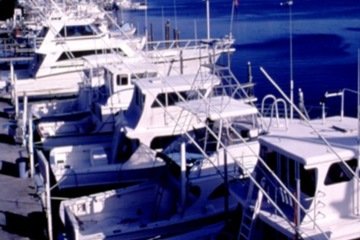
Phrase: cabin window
(269, 156)
(79, 54)
(171, 98)
(75, 31)
(143, 75)
(338, 172)
(307, 181)
(122, 80)
(159, 101)
(288, 170)
(290, 177)
(161, 142)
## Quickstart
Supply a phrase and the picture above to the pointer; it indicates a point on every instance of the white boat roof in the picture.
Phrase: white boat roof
(130, 67)
(301, 143)
(102, 59)
(177, 83)
(118, 64)
(219, 107)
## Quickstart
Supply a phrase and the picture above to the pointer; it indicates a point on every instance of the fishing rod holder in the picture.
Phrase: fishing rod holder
(336, 94)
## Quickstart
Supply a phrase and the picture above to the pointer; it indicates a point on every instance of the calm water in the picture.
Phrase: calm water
(325, 41)
(325, 35)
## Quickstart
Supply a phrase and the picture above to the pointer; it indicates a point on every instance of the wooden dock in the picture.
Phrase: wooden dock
(21, 211)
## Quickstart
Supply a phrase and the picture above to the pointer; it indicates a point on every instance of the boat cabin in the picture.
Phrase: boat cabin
(111, 85)
(310, 174)
(65, 39)
(154, 116)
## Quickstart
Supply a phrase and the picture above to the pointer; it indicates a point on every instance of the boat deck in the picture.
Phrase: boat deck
(21, 212)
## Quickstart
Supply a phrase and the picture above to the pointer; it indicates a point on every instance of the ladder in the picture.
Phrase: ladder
(250, 211)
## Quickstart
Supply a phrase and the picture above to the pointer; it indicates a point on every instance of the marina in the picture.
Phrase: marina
(116, 126)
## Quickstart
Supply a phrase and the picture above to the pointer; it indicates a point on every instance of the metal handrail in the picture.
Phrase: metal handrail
(274, 105)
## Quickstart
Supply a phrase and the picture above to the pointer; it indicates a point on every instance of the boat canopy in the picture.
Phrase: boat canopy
(219, 107)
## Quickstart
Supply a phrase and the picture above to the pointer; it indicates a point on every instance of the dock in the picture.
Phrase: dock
(21, 211)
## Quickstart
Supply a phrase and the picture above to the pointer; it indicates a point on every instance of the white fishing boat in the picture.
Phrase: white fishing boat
(305, 185)
(66, 37)
(181, 57)
(154, 111)
(157, 94)
(121, 157)
(89, 165)
(159, 109)
(151, 209)
(107, 88)
(96, 104)
(190, 193)
(104, 89)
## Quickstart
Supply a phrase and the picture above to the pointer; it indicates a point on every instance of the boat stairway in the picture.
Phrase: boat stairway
(250, 211)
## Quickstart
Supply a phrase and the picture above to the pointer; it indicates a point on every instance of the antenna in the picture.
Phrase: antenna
(175, 13)
(146, 28)
(290, 3)
(234, 3)
(208, 18)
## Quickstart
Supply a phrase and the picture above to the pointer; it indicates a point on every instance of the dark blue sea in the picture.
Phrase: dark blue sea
(325, 42)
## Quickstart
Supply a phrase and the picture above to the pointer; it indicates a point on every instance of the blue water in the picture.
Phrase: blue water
(325, 38)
